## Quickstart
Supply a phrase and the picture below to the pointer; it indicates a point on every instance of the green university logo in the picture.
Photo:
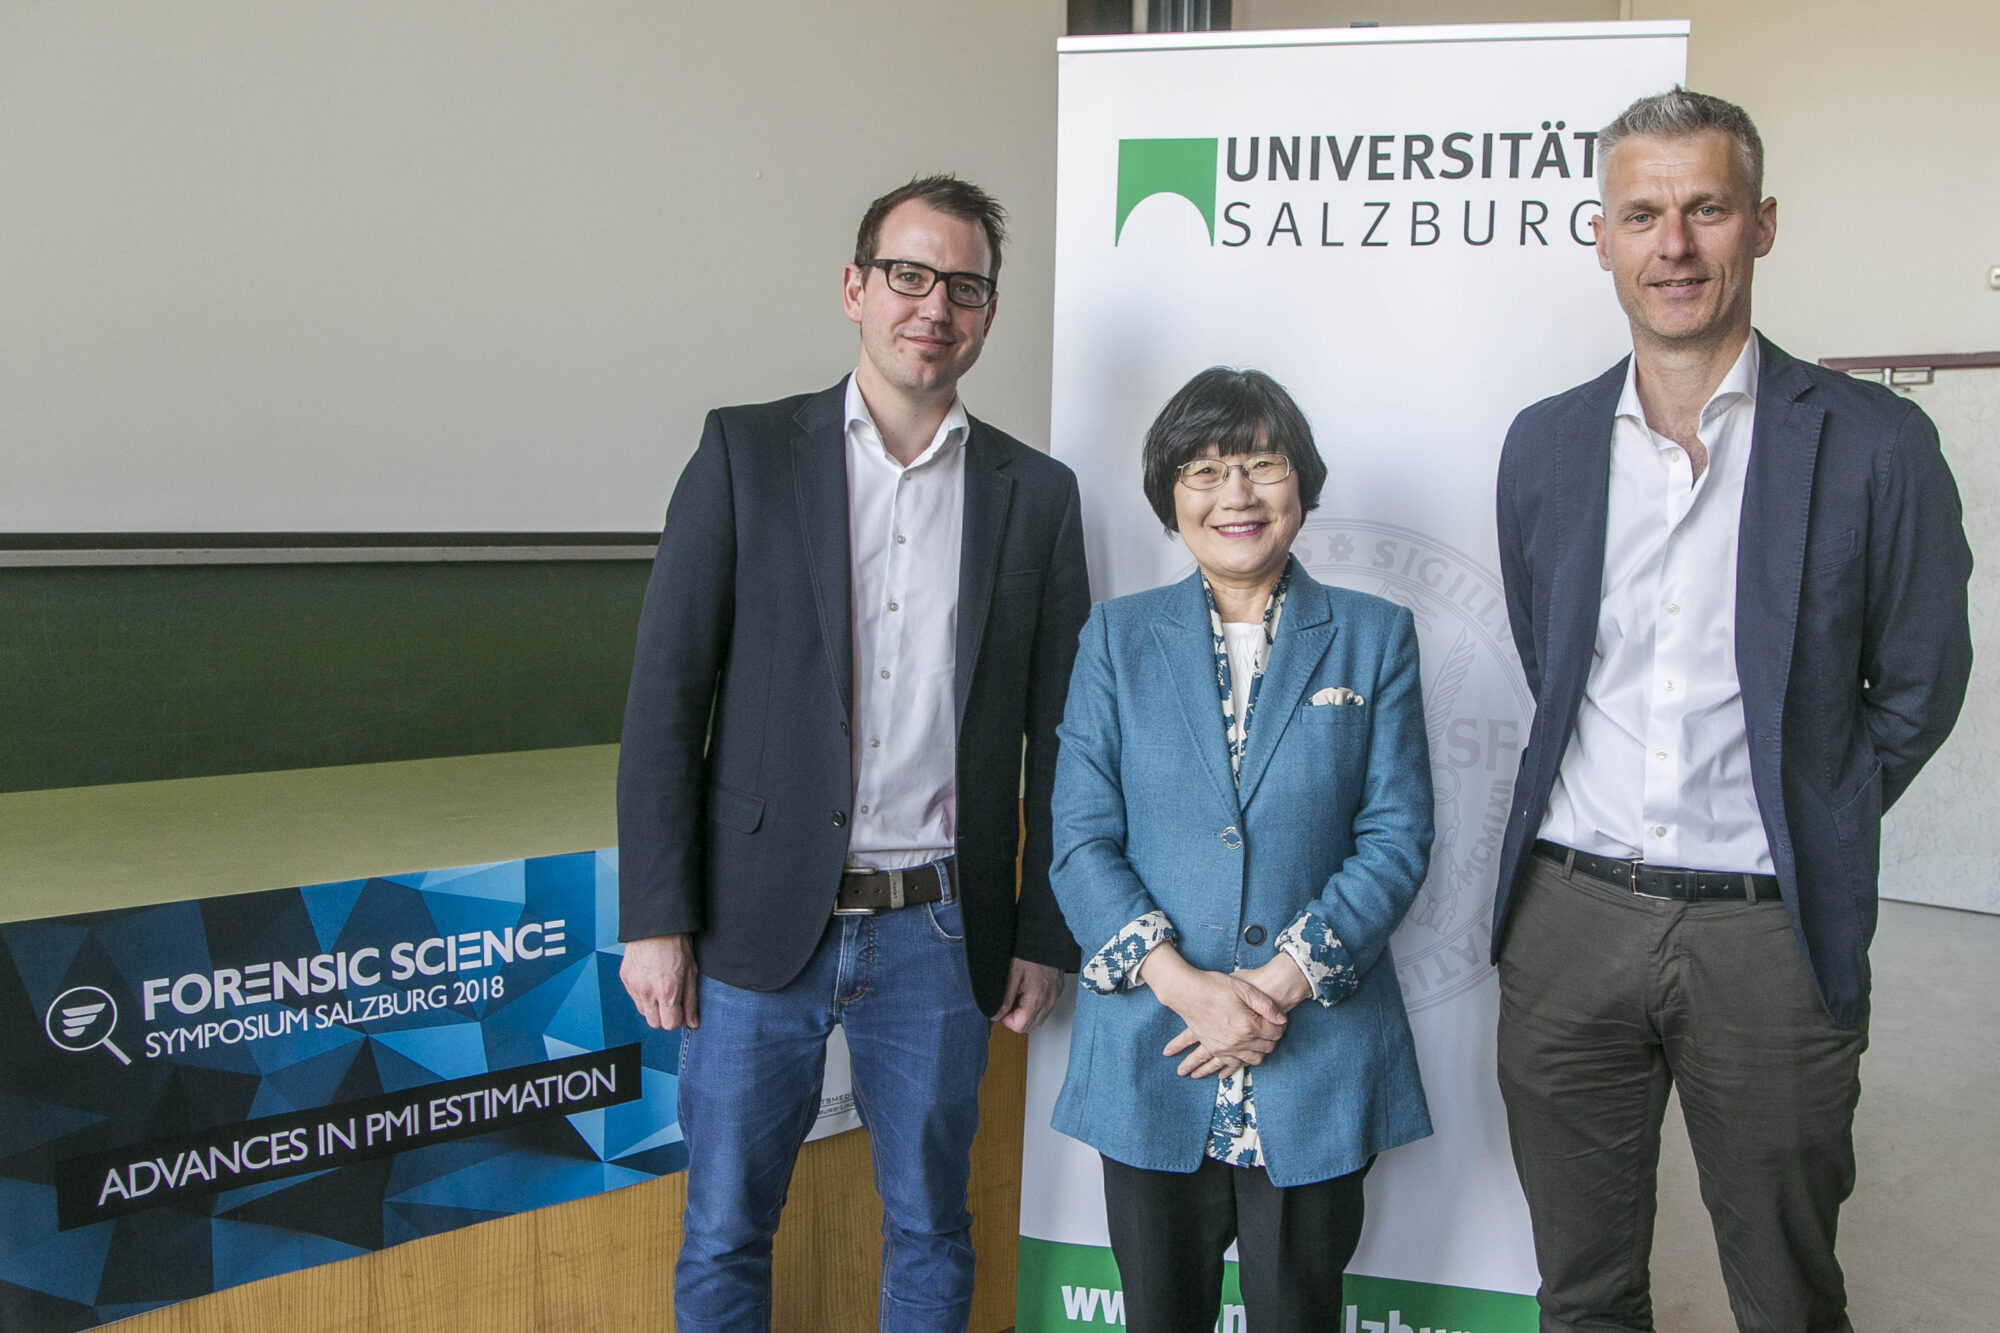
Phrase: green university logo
(1147, 167)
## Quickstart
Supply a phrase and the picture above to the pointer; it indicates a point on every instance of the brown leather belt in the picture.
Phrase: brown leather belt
(865, 892)
(1673, 882)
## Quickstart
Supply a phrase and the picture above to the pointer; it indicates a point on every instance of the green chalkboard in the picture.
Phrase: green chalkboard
(135, 673)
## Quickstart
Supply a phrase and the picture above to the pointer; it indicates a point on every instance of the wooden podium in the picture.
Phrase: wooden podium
(602, 1263)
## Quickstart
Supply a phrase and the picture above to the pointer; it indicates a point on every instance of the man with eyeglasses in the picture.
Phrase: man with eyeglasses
(862, 616)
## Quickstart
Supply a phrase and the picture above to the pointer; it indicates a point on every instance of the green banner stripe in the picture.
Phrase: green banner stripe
(1066, 1287)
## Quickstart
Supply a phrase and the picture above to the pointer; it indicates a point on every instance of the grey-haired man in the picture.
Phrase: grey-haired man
(1738, 587)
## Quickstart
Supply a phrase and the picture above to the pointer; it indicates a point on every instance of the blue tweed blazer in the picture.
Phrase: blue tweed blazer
(1332, 815)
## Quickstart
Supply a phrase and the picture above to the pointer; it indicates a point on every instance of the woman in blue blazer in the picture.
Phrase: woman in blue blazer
(1242, 816)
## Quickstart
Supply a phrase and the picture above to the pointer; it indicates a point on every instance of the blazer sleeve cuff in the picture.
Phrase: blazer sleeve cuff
(1115, 967)
(1311, 943)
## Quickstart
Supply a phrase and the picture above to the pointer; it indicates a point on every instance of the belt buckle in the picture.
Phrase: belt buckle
(1684, 886)
(895, 889)
(838, 910)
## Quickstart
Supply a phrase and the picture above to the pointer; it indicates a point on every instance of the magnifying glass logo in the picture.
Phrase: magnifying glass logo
(83, 1017)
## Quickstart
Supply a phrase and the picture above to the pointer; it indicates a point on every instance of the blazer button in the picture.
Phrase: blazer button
(1231, 838)
(1253, 934)
(839, 819)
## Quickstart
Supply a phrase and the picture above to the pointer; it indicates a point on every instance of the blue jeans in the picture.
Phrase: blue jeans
(750, 1088)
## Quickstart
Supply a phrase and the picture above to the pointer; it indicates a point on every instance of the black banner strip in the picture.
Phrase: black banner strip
(110, 1184)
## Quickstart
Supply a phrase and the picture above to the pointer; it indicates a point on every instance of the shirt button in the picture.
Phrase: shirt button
(901, 539)
(874, 745)
(1670, 684)
(894, 607)
(864, 809)
(885, 676)
(1659, 830)
(1673, 608)
(1660, 755)
(839, 819)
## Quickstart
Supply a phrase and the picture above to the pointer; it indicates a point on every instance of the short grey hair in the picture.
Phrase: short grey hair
(1680, 114)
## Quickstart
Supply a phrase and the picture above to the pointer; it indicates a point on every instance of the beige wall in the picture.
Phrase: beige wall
(306, 247)
(1875, 118)
(1877, 121)
(252, 237)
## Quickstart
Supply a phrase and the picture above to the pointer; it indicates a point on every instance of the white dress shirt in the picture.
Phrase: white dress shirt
(904, 526)
(1658, 768)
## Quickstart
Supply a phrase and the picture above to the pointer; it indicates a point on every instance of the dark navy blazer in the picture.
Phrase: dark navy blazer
(746, 640)
(1852, 638)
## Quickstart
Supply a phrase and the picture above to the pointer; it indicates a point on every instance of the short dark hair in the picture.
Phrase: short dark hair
(1239, 412)
(1680, 114)
(948, 195)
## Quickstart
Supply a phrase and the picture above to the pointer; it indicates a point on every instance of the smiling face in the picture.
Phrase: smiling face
(918, 347)
(1239, 533)
(1681, 231)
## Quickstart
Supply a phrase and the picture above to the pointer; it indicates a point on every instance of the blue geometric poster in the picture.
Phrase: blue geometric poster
(199, 1094)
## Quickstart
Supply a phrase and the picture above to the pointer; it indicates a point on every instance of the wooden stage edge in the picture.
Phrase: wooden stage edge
(606, 1263)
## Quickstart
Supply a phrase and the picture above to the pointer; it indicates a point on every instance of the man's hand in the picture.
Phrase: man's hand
(659, 974)
(1230, 1023)
(1032, 990)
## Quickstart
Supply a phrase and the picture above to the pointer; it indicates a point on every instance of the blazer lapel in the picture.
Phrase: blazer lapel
(1771, 546)
(1576, 592)
(1305, 632)
(819, 475)
(988, 493)
(1187, 656)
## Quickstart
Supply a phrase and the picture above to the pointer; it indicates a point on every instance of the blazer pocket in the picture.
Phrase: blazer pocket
(1330, 715)
(734, 809)
(1834, 551)
(1852, 811)
(1020, 580)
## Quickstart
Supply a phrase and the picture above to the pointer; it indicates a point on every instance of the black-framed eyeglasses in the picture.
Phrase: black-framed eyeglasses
(906, 277)
(1205, 474)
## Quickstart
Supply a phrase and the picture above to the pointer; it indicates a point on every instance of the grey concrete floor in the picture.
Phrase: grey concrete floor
(1920, 1239)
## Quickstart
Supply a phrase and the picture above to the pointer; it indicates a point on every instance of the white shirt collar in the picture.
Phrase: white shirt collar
(953, 429)
(1740, 382)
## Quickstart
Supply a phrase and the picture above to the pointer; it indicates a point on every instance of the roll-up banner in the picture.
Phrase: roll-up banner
(198, 1094)
(1394, 223)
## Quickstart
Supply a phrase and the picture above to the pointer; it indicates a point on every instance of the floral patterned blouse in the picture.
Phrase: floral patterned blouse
(1307, 941)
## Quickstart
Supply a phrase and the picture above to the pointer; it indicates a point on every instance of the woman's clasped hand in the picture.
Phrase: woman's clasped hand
(1233, 1019)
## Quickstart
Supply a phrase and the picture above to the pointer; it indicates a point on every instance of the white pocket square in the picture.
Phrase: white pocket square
(1337, 694)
